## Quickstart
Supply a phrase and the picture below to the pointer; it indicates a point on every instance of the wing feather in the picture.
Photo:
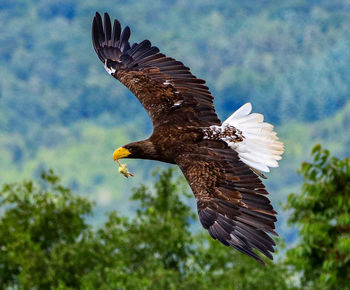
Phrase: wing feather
(124, 39)
(107, 28)
(231, 200)
(165, 87)
(116, 33)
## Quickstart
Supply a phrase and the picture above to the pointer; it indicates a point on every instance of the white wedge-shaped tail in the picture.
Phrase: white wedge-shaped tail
(260, 148)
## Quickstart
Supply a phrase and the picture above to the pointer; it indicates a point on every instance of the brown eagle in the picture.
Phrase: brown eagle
(220, 160)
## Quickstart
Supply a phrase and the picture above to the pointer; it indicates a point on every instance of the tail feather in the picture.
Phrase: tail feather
(241, 112)
(260, 148)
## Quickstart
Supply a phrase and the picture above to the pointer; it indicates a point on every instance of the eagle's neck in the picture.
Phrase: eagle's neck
(145, 150)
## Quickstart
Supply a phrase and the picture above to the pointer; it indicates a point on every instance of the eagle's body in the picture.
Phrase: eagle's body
(220, 160)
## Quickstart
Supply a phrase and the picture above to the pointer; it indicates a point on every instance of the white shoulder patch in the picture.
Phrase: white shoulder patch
(110, 70)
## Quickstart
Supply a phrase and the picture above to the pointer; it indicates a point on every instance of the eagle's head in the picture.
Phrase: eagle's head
(140, 150)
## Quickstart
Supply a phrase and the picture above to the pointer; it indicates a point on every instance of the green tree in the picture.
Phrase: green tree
(322, 214)
(47, 244)
(43, 230)
(226, 268)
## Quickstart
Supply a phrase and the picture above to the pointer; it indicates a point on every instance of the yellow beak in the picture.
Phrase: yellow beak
(120, 153)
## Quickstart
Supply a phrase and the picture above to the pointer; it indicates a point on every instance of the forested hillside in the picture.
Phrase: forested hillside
(59, 109)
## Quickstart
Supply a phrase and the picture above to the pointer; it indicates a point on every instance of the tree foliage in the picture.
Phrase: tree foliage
(42, 227)
(322, 214)
(47, 244)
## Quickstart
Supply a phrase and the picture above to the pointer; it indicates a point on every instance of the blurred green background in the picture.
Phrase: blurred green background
(59, 108)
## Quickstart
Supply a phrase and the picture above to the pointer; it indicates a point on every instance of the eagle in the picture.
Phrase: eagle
(222, 161)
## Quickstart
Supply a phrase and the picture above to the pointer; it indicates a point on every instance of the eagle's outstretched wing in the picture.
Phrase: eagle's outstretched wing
(165, 87)
(231, 199)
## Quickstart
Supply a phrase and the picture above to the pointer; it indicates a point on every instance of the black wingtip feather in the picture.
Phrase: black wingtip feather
(96, 35)
(109, 43)
(107, 28)
(113, 43)
(239, 235)
(124, 39)
(99, 28)
(116, 32)
(97, 15)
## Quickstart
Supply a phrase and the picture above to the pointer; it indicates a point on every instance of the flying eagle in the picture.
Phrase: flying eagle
(220, 160)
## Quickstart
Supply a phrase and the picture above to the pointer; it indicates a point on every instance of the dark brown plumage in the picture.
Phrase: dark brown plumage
(231, 199)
